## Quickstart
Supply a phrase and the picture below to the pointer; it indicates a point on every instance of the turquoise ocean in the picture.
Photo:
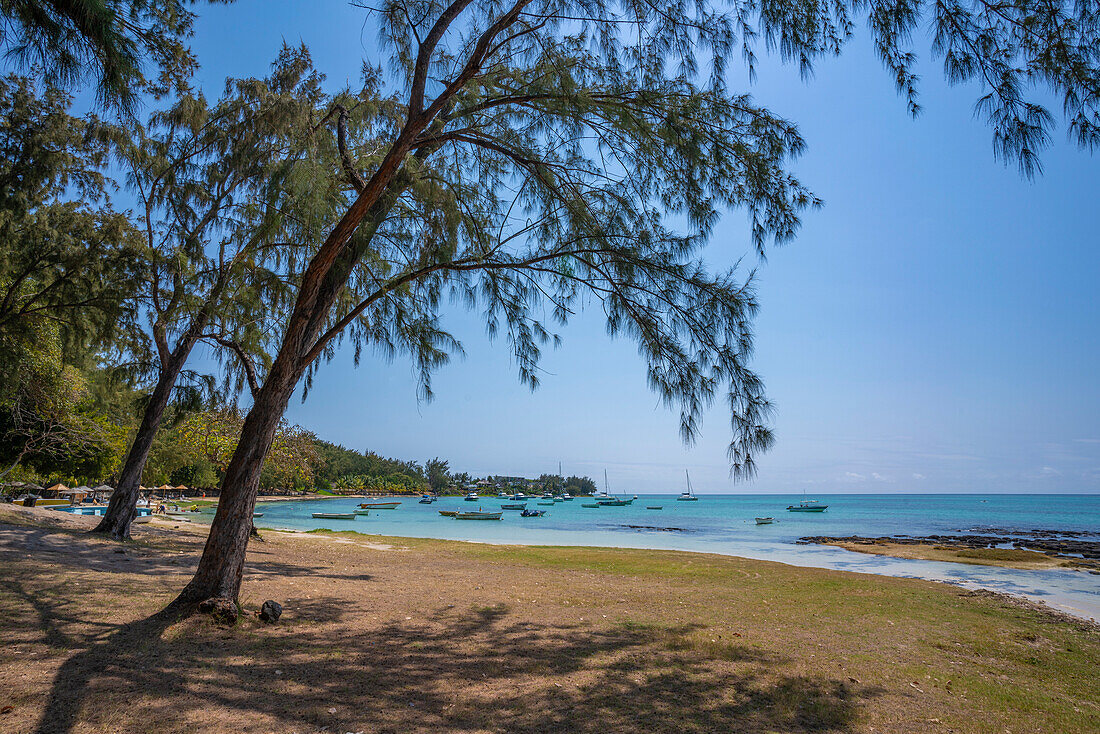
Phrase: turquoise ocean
(725, 524)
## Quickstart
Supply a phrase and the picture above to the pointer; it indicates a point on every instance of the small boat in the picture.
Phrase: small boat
(379, 505)
(807, 506)
(518, 496)
(546, 504)
(471, 497)
(654, 507)
(558, 499)
(143, 518)
(334, 515)
(254, 514)
(362, 512)
(687, 495)
(514, 506)
(533, 513)
(547, 496)
(609, 500)
(448, 513)
(590, 504)
(567, 497)
(426, 499)
(765, 520)
(478, 515)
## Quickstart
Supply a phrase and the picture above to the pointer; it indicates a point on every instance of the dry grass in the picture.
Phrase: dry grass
(401, 635)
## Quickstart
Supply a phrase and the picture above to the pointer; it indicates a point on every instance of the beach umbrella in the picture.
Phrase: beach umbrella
(83, 488)
(59, 488)
(104, 488)
(182, 487)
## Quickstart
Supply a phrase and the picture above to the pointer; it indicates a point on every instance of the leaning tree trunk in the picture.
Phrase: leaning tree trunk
(123, 505)
(221, 567)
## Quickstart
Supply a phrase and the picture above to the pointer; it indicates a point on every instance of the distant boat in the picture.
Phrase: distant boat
(334, 515)
(533, 513)
(426, 499)
(546, 504)
(765, 520)
(254, 514)
(687, 495)
(514, 506)
(566, 497)
(471, 497)
(590, 504)
(807, 506)
(558, 498)
(478, 515)
(654, 507)
(379, 505)
(362, 512)
(609, 500)
(518, 496)
(448, 513)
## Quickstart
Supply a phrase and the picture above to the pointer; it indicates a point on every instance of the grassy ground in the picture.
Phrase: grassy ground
(403, 635)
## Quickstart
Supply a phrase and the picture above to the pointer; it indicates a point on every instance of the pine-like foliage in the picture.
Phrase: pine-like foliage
(107, 41)
(541, 155)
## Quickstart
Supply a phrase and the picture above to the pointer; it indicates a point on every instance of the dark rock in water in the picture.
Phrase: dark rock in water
(271, 611)
(1061, 547)
(222, 610)
(654, 527)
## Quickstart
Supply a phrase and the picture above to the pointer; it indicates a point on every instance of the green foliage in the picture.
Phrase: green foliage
(438, 471)
(109, 42)
(67, 255)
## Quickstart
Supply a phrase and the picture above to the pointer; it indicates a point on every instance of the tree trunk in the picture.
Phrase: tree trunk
(123, 505)
(222, 564)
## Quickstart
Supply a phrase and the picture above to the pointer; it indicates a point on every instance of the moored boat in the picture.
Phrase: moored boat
(514, 506)
(334, 515)
(688, 495)
(654, 507)
(478, 515)
(426, 499)
(765, 520)
(362, 512)
(471, 497)
(532, 513)
(379, 505)
(448, 513)
(807, 506)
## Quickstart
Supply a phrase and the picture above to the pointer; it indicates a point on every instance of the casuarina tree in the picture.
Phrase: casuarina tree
(541, 154)
(213, 206)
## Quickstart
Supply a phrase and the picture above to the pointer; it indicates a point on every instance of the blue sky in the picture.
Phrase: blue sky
(932, 329)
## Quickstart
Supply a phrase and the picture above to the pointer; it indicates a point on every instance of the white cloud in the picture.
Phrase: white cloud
(880, 477)
(917, 476)
(851, 476)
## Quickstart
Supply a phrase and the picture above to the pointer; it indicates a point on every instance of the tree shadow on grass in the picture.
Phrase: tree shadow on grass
(478, 669)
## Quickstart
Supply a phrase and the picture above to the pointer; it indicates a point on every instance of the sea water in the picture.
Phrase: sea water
(725, 524)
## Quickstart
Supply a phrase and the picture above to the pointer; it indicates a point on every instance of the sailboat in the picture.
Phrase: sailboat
(608, 500)
(687, 495)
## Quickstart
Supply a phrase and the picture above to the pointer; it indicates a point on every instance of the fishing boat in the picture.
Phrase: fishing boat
(471, 497)
(688, 495)
(765, 520)
(514, 506)
(448, 513)
(426, 499)
(558, 498)
(654, 507)
(532, 513)
(478, 515)
(547, 496)
(362, 512)
(379, 505)
(566, 497)
(807, 506)
(518, 496)
(254, 514)
(546, 504)
(334, 515)
(590, 504)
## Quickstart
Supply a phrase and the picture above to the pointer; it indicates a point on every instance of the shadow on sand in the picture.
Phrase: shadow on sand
(474, 671)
